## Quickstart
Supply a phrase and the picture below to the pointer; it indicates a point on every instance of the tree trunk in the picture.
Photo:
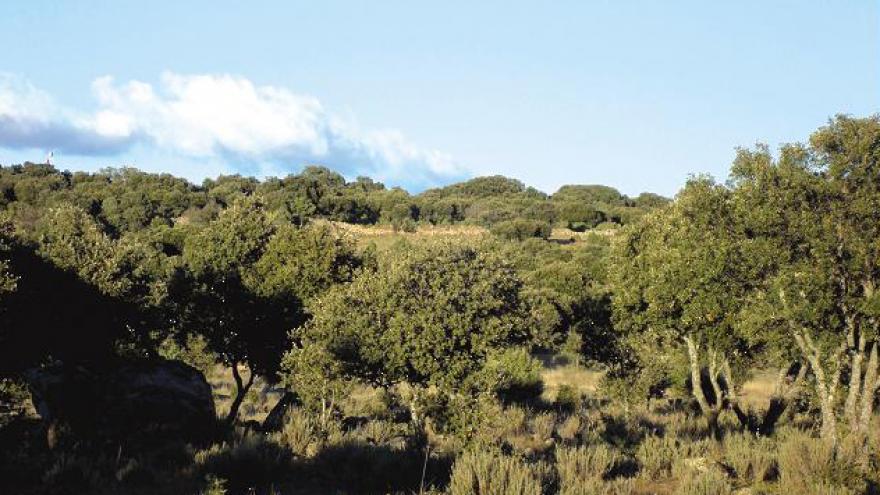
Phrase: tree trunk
(825, 388)
(241, 389)
(850, 410)
(732, 397)
(871, 384)
(780, 402)
(697, 387)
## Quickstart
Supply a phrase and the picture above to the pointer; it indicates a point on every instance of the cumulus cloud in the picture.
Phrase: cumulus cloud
(214, 117)
(29, 118)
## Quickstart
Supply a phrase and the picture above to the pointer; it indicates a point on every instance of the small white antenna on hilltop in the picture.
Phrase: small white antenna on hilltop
(49, 157)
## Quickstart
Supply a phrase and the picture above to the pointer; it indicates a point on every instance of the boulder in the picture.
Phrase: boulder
(149, 400)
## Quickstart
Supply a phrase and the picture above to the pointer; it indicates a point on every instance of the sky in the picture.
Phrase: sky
(631, 94)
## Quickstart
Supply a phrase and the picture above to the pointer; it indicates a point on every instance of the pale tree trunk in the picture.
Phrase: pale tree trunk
(826, 387)
(732, 398)
(870, 386)
(857, 348)
(710, 412)
(241, 389)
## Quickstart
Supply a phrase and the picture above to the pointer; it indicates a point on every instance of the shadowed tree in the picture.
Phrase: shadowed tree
(248, 279)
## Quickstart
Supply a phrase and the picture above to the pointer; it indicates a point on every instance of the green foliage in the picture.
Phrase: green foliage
(8, 280)
(194, 352)
(302, 262)
(521, 229)
(580, 216)
(429, 317)
(657, 454)
(590, 194)
(247, 460)
(510, 374)
(567, 398)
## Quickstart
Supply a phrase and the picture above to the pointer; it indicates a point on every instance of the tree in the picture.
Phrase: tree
(579, 216)
(678, 281)
(520, 229)
(249, 280)
(243, 328)
(7, 280)
(81, 298)
(303, 263)
(816, 212)
(430, 316)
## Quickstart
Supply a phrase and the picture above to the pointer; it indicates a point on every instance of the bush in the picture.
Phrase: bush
(542, 426)
(569, 429)
(249, 460)
(584, 465)
(567, 398)
(521, 229)
(404, 225)
(357, 466)
(750, 458)
(482, 473)
(300, 432)
(709, 482)
(656, 455)
(512, 375)
(812, 466)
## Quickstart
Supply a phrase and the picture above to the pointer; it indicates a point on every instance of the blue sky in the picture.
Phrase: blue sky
(636, 95)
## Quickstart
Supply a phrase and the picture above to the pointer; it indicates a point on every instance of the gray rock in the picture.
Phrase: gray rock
(146, 400)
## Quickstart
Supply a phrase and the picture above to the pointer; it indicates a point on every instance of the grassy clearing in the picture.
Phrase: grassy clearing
(385, 235)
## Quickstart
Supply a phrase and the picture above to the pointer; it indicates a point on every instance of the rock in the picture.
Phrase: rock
(148, 400)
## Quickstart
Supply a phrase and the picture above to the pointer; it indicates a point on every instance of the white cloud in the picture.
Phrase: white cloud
(215, 117)
(30, 118)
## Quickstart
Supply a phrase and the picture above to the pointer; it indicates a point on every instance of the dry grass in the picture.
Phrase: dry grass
(258, 402)
(756, 391)
(563, 234)
(560, 372)
(384, 235)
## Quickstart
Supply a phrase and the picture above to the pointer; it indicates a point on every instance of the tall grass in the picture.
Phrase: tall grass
(752, 459)
(482, 473)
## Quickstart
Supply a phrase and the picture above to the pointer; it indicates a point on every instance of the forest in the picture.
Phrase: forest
(312, 334)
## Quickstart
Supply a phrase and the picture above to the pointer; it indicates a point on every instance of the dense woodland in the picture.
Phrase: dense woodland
(419, 364)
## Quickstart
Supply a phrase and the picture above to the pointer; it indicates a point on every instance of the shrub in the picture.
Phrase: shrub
(404, 225)
(751, 458)
(512, 375)
(656, 455)
(567, 398)
(584, 465)
(520, 229)
(568, 430)
(709, 482)
(483, 473)
(300, 431)
(194, 352)
(214, 486)
(357, 466)
(812, 466)
(249, 460)
(542, 426)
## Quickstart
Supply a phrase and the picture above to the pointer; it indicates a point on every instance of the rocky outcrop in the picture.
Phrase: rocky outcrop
(148, 400)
